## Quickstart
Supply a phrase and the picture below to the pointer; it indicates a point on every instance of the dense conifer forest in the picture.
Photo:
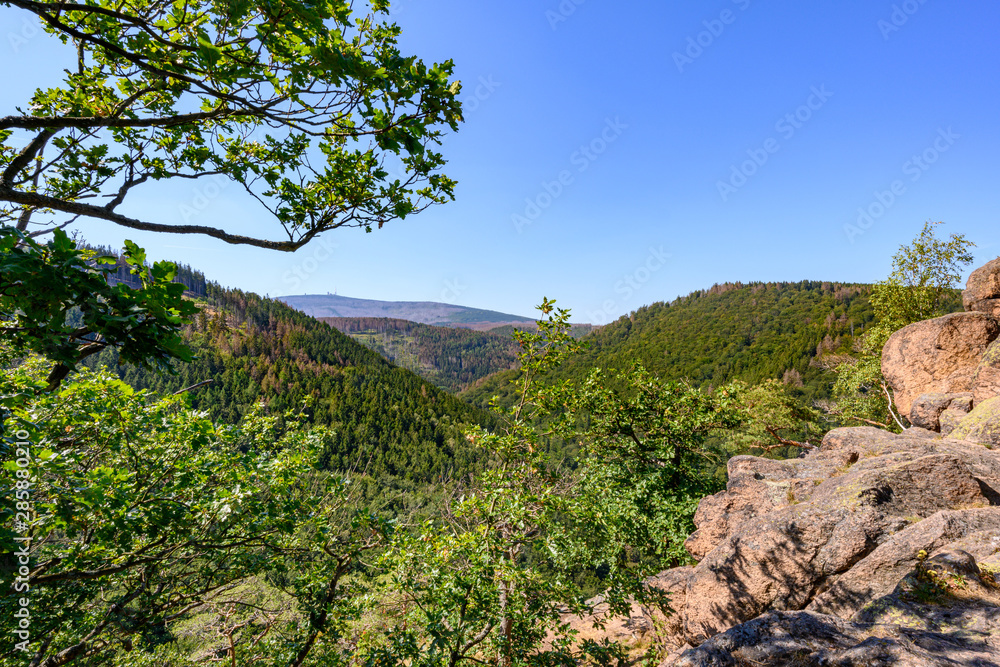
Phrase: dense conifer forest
(388, 421)
(193, 280)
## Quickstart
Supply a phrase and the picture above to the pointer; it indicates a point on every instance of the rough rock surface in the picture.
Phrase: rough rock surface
(962, 403)
(807, 638)
(926, 410)
(982, 291)
(982, 425)
(950, 419)
(826, 546)
(986, 381)
(756, 487)
(842, 525)
(937, 356)
(879, 572)
(942, 612)
(988, 306)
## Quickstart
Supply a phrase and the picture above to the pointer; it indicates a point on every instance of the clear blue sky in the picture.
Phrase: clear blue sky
(820, 107)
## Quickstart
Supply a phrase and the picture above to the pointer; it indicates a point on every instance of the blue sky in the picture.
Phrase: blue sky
(618, 154)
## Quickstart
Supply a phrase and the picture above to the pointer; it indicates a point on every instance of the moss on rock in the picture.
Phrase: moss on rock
(982, 425)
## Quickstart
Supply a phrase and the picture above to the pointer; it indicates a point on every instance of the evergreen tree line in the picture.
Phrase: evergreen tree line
(250, 350)
(192, 279)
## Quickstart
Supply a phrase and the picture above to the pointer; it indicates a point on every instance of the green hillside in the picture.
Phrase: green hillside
(388, 420)
(450, 358)
(731, 331)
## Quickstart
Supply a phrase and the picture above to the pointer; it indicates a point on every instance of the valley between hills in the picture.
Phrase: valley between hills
(756, 507)
(788, 456)
(729, 331)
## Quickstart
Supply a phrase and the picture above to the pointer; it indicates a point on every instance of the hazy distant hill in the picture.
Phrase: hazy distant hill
(422, 312)
(452, 358)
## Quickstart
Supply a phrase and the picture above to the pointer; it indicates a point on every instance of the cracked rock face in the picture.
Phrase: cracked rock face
(803, 558)
(944, 611)
(937, 356)
(878, 574)
(786, 535)
(962, 636)
(926, 410)
(830, 535)
(986, 381)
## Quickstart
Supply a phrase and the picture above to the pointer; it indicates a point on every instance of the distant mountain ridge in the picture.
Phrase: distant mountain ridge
(422, 312)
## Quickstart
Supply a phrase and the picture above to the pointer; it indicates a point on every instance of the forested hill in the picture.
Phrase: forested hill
(448, 357)
(731, 331)
(389, 421)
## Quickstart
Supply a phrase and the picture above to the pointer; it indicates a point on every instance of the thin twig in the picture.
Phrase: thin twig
(192, 387)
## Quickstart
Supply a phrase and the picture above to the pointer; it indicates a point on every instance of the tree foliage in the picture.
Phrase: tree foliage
(449, 357)
(772, 418)
(923, 284)
(464, 588)
(750, 332)
(385, 421)
(495, 579)
(309, 107)
(924, 276)
(142, 512)
(644, 458)
(55, 300)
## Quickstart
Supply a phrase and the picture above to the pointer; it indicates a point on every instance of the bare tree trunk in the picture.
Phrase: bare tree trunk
(506, 624)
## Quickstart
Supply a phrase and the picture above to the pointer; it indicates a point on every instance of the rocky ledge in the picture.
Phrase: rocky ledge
(874, 549)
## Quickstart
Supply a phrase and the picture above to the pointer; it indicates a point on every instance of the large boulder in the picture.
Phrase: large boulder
(881, 571)
(937, 356)
(943, 611)
(783, 531)
(982, 425)
(756, 486)
(833, 539)
(781, 639)
(982, 291)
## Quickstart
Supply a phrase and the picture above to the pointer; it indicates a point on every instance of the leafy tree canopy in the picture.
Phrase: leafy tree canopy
(493, 580)
(308, 105)
(139, 511)
(773, 419)
(923, 282)
(55, 300)
(924, 275)
(465, 587)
